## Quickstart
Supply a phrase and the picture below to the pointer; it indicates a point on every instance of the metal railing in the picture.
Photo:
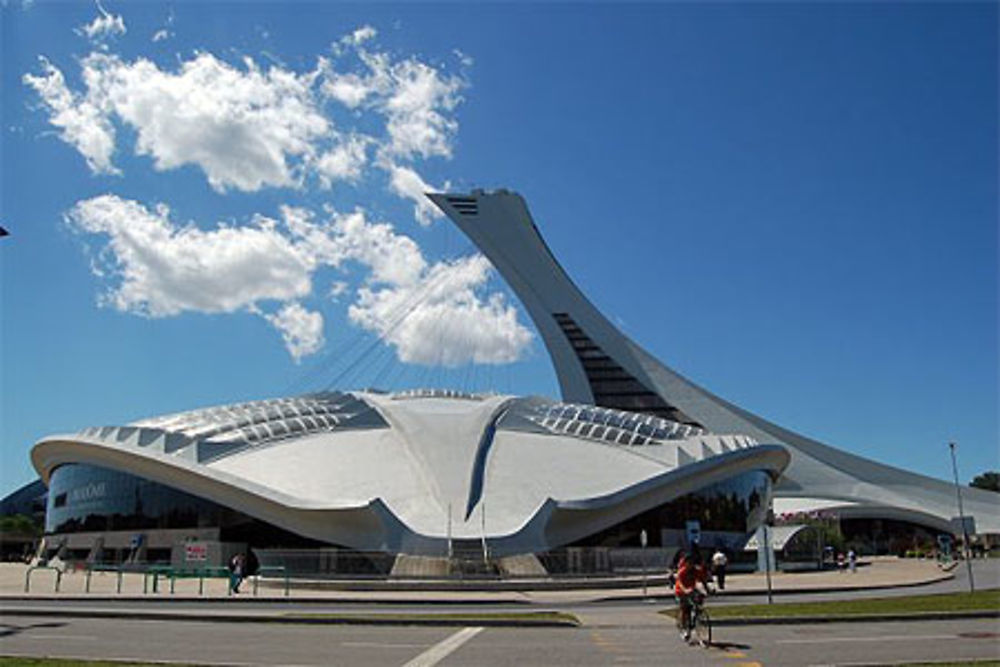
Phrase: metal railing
(153, 574)
(33, 568)
(270, 568)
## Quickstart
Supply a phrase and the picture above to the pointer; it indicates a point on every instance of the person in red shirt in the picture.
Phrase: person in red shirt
(691, 571)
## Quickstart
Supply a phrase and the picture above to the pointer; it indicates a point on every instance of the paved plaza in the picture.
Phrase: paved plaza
(877, 573)
(618, 626)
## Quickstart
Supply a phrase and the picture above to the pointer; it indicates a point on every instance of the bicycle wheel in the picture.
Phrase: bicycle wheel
(703, 628)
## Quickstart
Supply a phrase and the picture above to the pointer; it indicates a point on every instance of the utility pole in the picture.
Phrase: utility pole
(961, 517)
(766, 546)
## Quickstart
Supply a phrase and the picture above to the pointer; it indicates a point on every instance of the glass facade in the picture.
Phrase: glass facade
(737, 506)
(90, 498)
(86, 498)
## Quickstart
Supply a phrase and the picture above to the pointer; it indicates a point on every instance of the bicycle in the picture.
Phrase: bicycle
(699, 625)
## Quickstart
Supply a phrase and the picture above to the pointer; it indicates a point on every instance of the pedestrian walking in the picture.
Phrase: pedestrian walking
(852, 560)
(841, 563)
(719, 563)
(237, 570)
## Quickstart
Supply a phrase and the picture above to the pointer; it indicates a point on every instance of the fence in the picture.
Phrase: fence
(153, 574)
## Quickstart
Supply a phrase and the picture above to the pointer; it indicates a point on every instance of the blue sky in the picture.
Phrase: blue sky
(794, 205)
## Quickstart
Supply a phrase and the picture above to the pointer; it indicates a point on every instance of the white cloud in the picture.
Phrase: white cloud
(103, 26)
(431, 314)
(248, 127)
(344, 162)
(241, 127)
(347, 88)
(83, 123)
(301, 329)
(442, 320)
(161, 35)
(417, 123)
(407, 183)
(415, 99)
(390, 257)
(159, 268)
(362, 34)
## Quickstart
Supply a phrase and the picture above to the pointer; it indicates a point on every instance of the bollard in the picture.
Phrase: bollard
(86, 588)
(118, 588)
(27, 576)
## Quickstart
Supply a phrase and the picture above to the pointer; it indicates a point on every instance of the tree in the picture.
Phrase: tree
(989, 480)
(19, 525)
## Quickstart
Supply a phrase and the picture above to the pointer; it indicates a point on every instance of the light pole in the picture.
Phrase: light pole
(961, 517)
(643, 539)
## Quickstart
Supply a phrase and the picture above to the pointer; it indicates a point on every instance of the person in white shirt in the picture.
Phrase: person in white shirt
(719, 563)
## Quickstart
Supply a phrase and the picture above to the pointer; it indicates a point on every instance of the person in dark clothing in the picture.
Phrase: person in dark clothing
(237, 571)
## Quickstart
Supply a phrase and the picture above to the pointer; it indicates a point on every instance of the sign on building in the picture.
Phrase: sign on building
(195, 552)
(693, 530)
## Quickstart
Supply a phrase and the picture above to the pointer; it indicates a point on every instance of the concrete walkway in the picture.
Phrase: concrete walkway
(873, 574)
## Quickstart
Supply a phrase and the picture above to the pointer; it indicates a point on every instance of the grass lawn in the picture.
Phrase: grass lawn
(978, 601)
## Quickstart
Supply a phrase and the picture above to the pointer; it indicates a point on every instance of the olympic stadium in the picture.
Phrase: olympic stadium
(416, 481)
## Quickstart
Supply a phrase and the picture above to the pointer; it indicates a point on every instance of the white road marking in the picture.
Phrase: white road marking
(884, 638)
(444, 648)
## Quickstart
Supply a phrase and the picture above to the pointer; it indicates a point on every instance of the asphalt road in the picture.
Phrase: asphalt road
(615, 632)
(652, 643)
(986, 574)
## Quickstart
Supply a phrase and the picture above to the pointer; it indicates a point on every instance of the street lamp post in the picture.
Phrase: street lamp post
(643, 539)
(961, 517)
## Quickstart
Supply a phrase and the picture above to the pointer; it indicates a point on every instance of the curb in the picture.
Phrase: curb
(301, 619)
(262, 599)
(511, 588)
(858, 618)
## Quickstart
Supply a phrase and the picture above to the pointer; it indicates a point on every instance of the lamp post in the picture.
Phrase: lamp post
(643, 540)
(961, 517)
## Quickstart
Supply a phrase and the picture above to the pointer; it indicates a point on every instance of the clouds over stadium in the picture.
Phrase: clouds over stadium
(357, 119)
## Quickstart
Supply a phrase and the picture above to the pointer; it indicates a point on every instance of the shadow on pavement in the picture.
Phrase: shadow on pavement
(728, 646)
(7, 630)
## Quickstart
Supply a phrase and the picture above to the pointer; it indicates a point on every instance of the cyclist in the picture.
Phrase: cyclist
(691, 571)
